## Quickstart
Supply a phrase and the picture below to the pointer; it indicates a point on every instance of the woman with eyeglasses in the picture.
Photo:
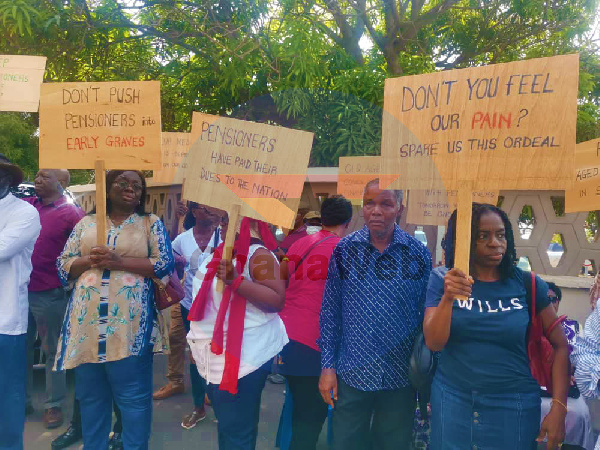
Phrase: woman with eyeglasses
(111, 326)
(483, 393)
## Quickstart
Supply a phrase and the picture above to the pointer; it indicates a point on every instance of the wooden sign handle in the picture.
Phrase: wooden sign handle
(100, 168)
(464, 213)
(234, 216)
(181, 219)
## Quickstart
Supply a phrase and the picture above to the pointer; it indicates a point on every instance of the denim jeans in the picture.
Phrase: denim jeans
(470, 419)
(238, 414)
(13, 364)
(129, 381)
(198, 383)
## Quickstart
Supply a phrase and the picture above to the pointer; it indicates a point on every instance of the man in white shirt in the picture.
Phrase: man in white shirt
(19, 229)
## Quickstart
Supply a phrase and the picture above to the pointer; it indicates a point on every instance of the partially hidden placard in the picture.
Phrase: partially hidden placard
(585, 194)
(354, 172)
(20, 81)
(503, 126)
(118, 122)
(175, 148)
(434, 206)
(260, 167)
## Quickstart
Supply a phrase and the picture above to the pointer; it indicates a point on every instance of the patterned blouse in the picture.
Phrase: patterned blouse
(111, 314)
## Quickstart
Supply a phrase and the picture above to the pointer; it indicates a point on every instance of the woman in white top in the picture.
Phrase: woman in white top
(235, 334)
(195, 245)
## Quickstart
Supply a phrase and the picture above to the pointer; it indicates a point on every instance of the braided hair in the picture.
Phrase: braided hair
(509, 261)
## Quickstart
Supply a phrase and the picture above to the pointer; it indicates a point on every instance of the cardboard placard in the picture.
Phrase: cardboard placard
(585, 194)
(118, 122)
(261, 167)
(20, 81)
(354, 172)
(434, 206)
(175, 148)
(503, 126)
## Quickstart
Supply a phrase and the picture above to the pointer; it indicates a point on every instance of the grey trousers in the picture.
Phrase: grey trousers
(47, 311)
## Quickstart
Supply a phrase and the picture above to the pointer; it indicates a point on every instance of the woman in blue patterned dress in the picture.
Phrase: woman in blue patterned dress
(111, 327)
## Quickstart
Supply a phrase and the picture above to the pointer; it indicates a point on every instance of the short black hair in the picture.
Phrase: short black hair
(336, 211)
(509, 261)
(112, 175)
(554, 288)
(190, 221)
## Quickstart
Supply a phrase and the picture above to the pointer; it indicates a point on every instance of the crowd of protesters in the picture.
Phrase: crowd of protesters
(342, 314)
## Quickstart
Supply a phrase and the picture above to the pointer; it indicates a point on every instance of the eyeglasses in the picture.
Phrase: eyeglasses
(122, 184)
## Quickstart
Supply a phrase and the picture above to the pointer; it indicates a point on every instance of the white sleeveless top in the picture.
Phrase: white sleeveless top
(264, 333)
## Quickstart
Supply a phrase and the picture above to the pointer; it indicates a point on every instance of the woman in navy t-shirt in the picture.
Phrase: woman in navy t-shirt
(483, 394)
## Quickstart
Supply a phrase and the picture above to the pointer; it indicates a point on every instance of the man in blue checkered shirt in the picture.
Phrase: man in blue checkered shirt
(372, 311)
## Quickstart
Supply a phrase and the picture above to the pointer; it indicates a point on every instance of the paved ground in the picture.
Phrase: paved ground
(166, 429)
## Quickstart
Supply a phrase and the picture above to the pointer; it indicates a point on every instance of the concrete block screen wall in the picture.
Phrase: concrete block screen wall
(533, 240)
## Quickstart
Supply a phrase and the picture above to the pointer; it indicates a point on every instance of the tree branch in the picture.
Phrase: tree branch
(360, 8)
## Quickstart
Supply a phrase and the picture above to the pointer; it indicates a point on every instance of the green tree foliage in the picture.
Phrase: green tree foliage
(19, 141)
(318, 65)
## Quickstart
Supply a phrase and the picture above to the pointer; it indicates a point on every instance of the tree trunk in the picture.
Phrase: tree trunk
(393, 62)
(353, 49)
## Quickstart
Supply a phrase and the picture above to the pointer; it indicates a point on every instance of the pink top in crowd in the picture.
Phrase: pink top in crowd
(304, 294)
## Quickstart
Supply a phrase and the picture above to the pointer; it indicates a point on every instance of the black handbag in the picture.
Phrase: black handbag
(422, 364)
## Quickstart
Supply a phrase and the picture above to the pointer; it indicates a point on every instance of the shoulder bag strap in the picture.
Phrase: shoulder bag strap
(558, 320)
(312, 247)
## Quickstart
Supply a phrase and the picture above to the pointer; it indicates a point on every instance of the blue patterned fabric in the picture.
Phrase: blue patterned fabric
(373, 308)
(586, 356)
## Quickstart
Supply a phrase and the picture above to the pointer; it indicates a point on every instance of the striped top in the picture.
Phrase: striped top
(586, 356)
